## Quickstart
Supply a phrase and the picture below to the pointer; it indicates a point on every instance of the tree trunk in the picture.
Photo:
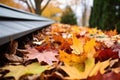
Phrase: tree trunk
(38, 6)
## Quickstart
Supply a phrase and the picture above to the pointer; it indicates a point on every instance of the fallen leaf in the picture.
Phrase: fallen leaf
(89, 48)
(116, 48)
(77, 46)
(38, 42)
(13, 58)
(18, 71)
(58, 38)
(108, 76)
(111, 32)
(90, 69)
(71, 59)
(99, 67)
(75, 29)
(92, 30)
(107, 54)
(42, 47)
(47, 56)
(74, 72)
(116, 70)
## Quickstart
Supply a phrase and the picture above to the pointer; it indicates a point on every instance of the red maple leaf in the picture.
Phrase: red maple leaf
(47, 56)
(107, 54)
(43, 47)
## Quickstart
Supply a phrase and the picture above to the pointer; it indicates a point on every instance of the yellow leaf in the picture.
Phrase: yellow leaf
(89, 48)
(103, 66)
(71, 71)
(64, 56)
(77, 45)
(74, 72)
(100, 66)
(89, 64)
(92, 30)
(71, 59)
(18, 71)
(75, 29)
(95, 69)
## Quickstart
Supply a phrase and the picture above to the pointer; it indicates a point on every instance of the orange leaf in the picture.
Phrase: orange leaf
(111, 32)
(58, 38)
(77, 45)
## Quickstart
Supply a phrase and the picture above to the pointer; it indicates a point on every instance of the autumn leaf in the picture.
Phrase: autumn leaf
(71, 71)
(108, 76)
(89, 48)
(81, 53)
(116, 70)
(71, 59)
(18, 71)
(77, 46)
(75, 29)
(111, 32)
(90, 69)
(107, 54)
(74, 72)
(64, 42)
(47, 56)
(42, 47)
(99, 67)
(59, 28)
(92, 30)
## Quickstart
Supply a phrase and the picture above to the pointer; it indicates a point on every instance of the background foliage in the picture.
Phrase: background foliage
(68, 17)
(106, 14)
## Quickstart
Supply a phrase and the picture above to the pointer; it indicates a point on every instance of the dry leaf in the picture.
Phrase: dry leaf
(100, 66)
(89, 48)
(47, 56)
(111, 32)
(17, 71)
(74, 72)
(77, 46)
(71, 59)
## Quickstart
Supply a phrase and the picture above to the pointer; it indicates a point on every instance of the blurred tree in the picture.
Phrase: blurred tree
(14, 3)
(106, 14)
(53, 12)
(39, 8)
(68, 16)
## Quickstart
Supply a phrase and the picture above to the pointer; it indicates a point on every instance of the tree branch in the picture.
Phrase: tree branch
(45, 6)
(37, 6)
(30, 9)
(31, 4)
(28, 5)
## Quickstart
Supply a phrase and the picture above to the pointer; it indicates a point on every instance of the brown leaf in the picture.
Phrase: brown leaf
(13, 58)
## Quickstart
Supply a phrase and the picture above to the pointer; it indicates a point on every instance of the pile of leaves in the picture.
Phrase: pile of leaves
(65, 52)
